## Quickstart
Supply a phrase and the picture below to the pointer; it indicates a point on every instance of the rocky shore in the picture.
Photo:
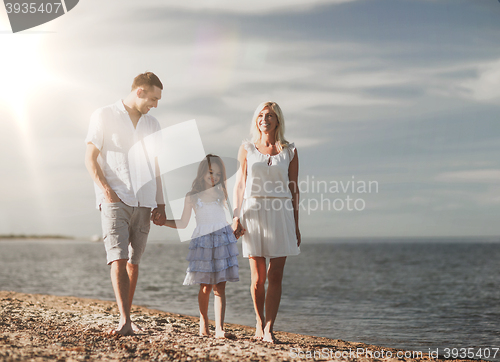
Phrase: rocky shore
(51, 328)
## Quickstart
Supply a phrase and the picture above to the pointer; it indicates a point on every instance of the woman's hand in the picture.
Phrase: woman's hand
(299, 238)
(238, 229)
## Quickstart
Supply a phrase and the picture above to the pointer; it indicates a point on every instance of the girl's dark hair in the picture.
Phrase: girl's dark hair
(205, 165)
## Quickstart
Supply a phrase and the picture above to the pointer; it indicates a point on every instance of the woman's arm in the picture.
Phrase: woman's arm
(186, 215)
(293, 176)
(239, 191)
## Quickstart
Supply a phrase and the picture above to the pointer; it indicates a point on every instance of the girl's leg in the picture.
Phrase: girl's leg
(203, 298)
(220, 308)
(273, 297)
(258, 291)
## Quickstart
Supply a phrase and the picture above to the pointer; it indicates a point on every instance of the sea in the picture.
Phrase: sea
(415, 294)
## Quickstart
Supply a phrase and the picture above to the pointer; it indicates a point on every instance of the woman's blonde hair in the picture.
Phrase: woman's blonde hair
(281, 142)
(199, 185)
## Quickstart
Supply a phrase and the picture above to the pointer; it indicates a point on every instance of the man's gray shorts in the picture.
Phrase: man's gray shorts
(125, 230)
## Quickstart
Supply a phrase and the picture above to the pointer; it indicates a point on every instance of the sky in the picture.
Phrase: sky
(401, 95)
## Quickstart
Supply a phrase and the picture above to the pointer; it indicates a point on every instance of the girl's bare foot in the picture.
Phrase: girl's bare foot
(220, 334)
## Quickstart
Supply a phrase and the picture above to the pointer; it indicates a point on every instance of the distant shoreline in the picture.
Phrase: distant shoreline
(23, 236)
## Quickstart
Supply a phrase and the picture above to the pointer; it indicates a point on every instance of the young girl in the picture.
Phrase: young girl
(212, 251)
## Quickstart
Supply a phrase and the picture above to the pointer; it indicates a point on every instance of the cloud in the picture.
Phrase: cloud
(485, 87)
(475, 176)
(246, 7)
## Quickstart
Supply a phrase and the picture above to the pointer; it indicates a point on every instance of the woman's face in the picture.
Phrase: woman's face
(213, 176)
(267, 121)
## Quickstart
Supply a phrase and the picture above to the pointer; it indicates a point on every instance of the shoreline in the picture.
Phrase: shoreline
(45, 328)
(35, 237)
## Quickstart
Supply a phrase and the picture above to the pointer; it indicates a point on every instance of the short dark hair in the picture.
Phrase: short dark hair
(148, 79)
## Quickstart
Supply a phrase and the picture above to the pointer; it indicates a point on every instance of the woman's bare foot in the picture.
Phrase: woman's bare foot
(204, 330)
(269, 338)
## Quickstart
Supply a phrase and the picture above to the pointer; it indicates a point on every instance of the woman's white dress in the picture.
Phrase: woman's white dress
(267, 211)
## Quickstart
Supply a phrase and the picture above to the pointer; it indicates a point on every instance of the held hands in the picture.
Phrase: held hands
(158, 215)
(238, 229)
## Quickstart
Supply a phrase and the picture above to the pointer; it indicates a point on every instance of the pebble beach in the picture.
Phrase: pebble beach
(37, 327)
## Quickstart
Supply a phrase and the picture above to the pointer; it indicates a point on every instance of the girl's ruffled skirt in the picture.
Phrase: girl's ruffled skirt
(212, 255)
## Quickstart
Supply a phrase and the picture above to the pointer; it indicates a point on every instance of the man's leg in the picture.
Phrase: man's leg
(122, 288)
(139, 226)
(115, 223)
(133, 275)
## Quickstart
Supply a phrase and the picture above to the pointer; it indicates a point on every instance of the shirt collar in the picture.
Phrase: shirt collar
(120, 106)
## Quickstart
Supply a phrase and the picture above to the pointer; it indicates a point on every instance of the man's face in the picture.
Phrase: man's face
(148, 98)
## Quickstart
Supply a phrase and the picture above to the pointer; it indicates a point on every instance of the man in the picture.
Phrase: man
(116, 134)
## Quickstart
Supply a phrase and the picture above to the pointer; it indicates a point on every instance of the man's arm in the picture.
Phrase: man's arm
(97, 175)
(158, 214)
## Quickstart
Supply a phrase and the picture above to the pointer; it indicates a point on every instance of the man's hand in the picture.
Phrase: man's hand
(158, 215)
(111, 196)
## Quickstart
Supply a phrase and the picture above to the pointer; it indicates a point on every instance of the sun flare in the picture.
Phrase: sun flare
(21, 73)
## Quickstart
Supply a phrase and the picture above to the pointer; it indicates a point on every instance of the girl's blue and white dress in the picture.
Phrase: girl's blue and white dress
(213, 250)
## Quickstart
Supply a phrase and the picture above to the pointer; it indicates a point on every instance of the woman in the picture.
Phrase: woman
(266, 211)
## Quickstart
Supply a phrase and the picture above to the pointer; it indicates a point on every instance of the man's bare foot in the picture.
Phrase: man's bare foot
(123, 330)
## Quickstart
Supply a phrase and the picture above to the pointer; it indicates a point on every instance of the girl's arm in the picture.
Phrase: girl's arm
(239, 191)
(186, 215)
(293, 176)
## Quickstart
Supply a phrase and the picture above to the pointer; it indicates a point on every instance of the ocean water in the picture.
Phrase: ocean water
(410, 294)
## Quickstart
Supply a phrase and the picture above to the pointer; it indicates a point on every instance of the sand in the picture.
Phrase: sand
(52, 328)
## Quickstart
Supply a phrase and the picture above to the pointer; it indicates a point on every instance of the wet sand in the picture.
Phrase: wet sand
(51, 328)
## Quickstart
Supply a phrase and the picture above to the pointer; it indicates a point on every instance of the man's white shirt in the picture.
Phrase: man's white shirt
(127, 154)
